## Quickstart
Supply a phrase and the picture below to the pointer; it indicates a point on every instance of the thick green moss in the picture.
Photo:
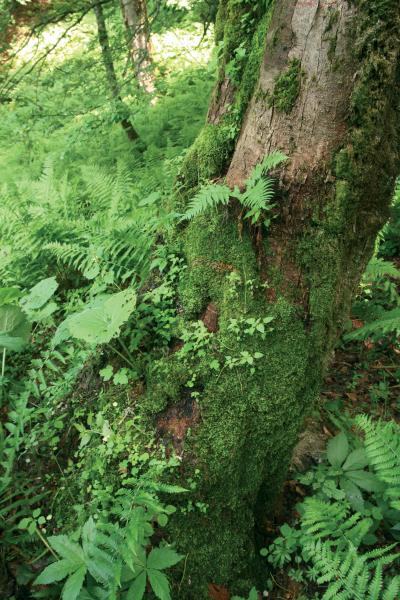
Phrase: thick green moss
(241, 411)
(287, 88)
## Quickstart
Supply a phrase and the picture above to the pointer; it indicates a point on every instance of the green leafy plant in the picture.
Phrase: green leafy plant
(255, 200)
(112, 558)
(101, 320)
(327, 544)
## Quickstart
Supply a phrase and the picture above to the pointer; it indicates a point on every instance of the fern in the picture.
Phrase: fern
(321, 520)
(382, 445)
(388, 322)
(256, 198)
(378, 268)
(104, 230)
(353, 576)
(208, 197)
(270, 162)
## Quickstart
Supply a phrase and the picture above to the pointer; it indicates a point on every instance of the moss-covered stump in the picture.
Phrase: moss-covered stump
(232, 398)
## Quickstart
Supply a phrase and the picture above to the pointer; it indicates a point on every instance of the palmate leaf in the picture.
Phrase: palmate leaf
(67, 549)
(338, 449)
(357, 459)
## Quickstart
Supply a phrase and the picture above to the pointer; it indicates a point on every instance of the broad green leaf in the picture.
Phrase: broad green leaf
(357, 459)
(162, 558)
(98, 325)
(55, 572)
(74, 584)
(138, 587)
(162, 520)
(366, 481)
(11, 317)
(338, 449)
(353, 494)
(121, 377)
(92, 271)
(91, 326)
(62, 332)
(44, 313)
(9, 295)
(40, 294)
(159, 584)
(15, 344)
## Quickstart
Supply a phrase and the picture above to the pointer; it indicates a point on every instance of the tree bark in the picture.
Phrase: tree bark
(320, 82)
(137, 27)
(111, 74)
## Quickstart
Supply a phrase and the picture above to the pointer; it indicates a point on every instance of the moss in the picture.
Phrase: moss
(287, 88)
(239, 408)
(250, 419)
(208, 155)
(333, 19)
(214, 146)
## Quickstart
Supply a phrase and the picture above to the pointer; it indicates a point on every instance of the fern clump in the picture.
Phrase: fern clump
(256, 199)
(329, 545)
(382, 445)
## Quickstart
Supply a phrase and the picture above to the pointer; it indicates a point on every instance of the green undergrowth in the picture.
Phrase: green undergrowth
(161, 374)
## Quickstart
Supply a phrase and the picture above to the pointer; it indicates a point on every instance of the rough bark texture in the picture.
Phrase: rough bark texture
(137, 26)
(111, 74)
(320, 81)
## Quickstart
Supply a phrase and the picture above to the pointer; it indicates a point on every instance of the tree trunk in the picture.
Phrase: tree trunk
(137, 27)
(106, 53)
(320, 82)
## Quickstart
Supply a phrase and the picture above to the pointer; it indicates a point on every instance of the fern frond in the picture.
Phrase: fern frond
(378, 268)
(392, 591)
(349, 575)
(208, 197)
(271, 161)
(382, 445)
(388, 322)
(323, 520)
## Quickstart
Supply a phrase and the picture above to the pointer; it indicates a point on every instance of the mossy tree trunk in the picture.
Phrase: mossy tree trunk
(319, 80)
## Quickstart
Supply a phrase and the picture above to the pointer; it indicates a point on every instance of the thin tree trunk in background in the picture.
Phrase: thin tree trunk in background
(320, 82)
(137, 26)
(110, 73)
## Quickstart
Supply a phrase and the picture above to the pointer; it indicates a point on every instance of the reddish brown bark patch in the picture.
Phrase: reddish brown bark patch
(210, 318)
(218, 592)
(174, 422)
